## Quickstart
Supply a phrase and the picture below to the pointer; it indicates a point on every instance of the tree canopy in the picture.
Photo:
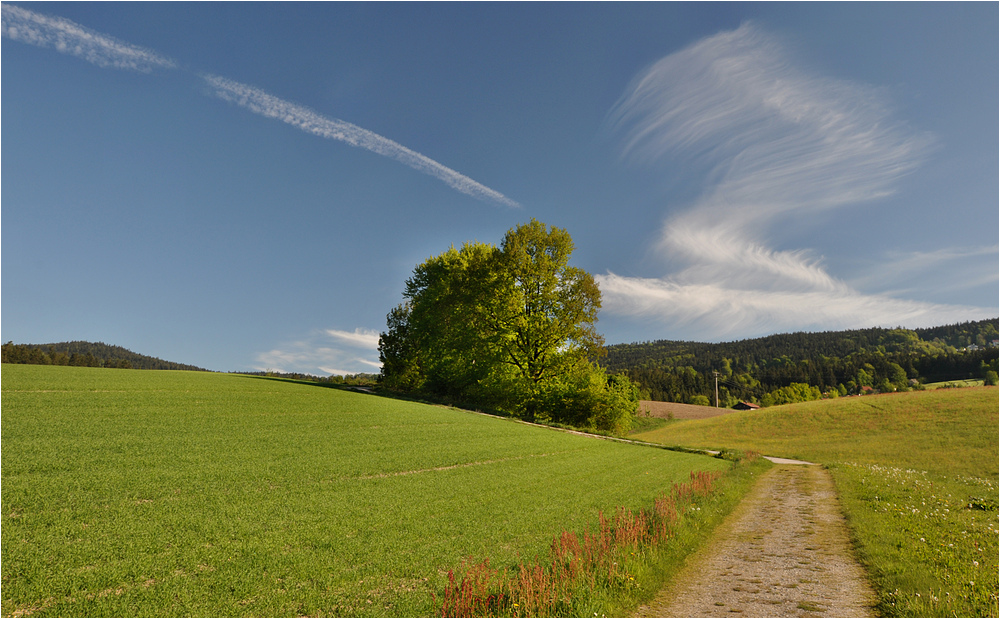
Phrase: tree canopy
(509, 328)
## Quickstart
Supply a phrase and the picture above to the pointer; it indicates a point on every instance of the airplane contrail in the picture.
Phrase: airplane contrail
(267, 105)
(71, 38)
(68, 37)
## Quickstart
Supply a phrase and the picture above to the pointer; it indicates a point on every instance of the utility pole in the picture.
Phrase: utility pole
(716, 388)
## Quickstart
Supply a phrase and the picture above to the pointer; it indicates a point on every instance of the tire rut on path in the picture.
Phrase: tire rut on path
(784, 552)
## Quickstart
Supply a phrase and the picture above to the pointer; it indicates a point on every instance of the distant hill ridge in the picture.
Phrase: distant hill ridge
(750, 355)
(803, 345)
(87, 354)
(847, 362)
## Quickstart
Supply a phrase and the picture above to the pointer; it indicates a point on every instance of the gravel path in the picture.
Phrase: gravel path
(784, 552)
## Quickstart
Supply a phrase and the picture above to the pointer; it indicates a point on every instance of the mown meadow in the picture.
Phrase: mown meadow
(167, 493)
(917, 474)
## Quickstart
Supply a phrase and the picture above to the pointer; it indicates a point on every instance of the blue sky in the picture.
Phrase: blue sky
(247, 186)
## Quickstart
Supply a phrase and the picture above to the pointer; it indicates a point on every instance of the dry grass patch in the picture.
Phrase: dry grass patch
(674, 410)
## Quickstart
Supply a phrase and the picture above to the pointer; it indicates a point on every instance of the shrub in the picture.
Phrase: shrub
(796, 392)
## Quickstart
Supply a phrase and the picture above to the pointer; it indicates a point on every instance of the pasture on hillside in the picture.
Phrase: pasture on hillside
(151, 493)
(917, 473)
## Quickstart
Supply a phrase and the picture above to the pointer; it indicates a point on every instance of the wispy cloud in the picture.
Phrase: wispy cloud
(260, 102)
(774, 143)
(978, 265)
(68, 37)
(328, 351)
(363, 338)
(713, 311)
(369, 367)
(947, 273)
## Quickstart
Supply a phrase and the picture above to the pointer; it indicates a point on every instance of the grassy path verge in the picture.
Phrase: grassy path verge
(917, 475)
(609, 569)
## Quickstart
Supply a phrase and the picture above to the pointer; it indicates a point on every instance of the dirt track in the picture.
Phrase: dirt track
(785, 552)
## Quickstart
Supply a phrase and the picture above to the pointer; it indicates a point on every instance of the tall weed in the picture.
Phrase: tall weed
(609, 569)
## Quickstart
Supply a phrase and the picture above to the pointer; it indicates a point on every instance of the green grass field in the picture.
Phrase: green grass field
(952, 384)
(918, 477)
(147, 493)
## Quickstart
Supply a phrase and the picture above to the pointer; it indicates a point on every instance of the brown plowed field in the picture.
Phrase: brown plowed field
(663, 410)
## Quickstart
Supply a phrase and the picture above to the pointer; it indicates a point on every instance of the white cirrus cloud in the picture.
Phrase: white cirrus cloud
(336, 371)
(362, 338)
(717, 312)
(977, 266)
(377, 365)
(774, 142)
(68, 37)
(326, 351)
(269, 106)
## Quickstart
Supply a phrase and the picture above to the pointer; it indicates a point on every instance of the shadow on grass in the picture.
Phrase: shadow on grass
(381, 392)
(312, 383)
(371, 390)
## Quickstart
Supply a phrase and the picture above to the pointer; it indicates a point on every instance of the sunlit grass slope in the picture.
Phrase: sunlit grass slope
(179, 493)
(918, 477)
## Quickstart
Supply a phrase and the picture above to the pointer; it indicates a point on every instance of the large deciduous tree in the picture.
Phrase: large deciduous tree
(510, 328)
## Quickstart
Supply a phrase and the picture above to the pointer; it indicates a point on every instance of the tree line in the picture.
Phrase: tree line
(85, 354)
(771, 369)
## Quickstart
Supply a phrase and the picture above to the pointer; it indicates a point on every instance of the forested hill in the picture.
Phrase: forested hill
(845, 361)
(88, 354)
